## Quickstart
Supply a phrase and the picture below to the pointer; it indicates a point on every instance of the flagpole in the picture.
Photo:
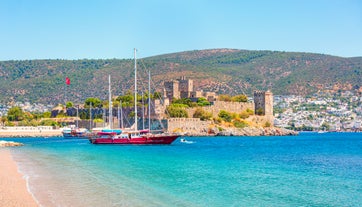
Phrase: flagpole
(65, 93)
(67, 83)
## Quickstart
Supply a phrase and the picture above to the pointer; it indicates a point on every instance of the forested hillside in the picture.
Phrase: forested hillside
(225, 71)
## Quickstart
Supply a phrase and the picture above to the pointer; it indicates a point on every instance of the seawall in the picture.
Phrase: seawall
(29, 132)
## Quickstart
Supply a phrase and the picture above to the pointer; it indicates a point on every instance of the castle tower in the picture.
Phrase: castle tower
(268, 97)
(263, 102)
(186, 86)
(172, 89)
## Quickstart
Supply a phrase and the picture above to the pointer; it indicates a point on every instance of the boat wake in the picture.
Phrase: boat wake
(183, 140)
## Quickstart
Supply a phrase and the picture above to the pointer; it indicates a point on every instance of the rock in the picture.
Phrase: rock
(256, 131)
(10, 144)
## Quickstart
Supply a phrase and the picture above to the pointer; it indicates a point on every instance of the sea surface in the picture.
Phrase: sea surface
(306, 170)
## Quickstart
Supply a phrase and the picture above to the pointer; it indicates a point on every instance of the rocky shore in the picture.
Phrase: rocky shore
(257, 131)
(10, 144)
(247, 131)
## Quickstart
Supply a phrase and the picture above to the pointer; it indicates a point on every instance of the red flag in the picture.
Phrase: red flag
(67, 81)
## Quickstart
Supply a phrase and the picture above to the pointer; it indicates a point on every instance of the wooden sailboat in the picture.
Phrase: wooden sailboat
(135, 136)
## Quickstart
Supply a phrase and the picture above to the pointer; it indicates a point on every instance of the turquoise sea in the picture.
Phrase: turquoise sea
(306, 170)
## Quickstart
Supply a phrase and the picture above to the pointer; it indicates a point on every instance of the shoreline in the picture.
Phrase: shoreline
(13, 186)
(29, 133)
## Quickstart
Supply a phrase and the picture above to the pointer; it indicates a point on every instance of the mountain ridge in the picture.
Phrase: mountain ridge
(225, 71)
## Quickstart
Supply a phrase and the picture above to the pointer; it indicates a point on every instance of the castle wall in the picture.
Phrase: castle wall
(190, 125)
(234, 107)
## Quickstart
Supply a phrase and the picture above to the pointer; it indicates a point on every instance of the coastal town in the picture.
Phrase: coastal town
(320, 112)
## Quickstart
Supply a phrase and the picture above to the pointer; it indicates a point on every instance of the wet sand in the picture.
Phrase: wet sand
(13, 189)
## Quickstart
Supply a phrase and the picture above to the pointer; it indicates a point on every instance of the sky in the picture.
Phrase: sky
(102, 29)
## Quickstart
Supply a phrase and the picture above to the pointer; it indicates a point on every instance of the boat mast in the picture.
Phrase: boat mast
(121, 115)
(149, 99)
(135, 90)
(118, 116)
(143, 113)
(77, 115)
(90, 116)
(110, 117)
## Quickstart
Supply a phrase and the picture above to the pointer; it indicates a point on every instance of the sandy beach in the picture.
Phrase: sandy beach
(13, 190)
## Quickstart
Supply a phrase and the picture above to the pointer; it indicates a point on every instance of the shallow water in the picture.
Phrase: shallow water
(306, 170)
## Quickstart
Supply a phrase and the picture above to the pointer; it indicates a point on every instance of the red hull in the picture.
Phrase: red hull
(152, 139)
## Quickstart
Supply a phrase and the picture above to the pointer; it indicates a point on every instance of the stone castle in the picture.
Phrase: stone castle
(262, 105)
(183, 88)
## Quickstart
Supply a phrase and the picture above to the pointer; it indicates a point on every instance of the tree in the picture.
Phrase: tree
(240, 98)
(127, 100)
(69, 104)
(48, 122)
(47, 114)
(28, 116)
(203, 102)
(4, 119)
(184, 101)
(96, 102)
(15, 114)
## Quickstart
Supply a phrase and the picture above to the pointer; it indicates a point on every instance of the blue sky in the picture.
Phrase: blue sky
(76, 29)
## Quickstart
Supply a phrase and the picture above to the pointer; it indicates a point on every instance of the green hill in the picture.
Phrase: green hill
(226, 71)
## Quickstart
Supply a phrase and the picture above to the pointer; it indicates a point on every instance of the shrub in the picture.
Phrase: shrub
(240, 98)
(244, 115)
(202, 114)
(203, 102)
(98, 120)
(250, 112)
(48, 122)
(223, 97)
(259, 111)
(176, 112)
(267, 124)
(224, 115)
(240, 124)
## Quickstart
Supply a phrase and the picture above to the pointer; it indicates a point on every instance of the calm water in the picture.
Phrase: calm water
(305, 170)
